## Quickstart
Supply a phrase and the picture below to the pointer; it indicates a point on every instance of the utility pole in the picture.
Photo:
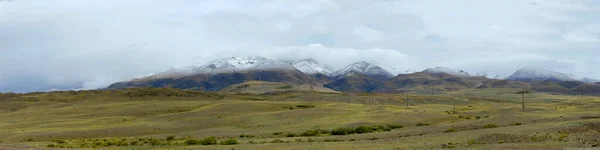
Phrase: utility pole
(348, 97)
(406, 94)
(454, 105)
(369, 97)
(581, 93)
(523, 99)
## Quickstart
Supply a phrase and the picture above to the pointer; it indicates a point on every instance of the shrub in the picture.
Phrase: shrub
(278, 141)
(422, 124)
(364, 129)
(59, 141)
(209, 141)
(170, 138)
(229, 142)
(516, 124)
(324, 131)
(342, 131)
(291, 135)
(244, 135)
(133, 143)
(310, 133)
(277, 133)
(332, 140)
(192, 142)
(450, 130)
(382, 128)
(477, 117)
(490, 126)
(394, 126)
(305, 106)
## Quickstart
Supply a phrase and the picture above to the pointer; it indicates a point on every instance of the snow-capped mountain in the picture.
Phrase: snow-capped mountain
(363, 68)
(483, 74)
(446, 70)
(310, 66)
(590, 80)
(535, 74)
(237, 64)
(223, 65)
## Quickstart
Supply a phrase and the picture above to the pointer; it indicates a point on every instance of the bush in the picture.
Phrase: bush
(244, 135)
(305, 106)
(450, 130)
(192, 142)
(490, 126)
(278, 141)
(364, 129)
(342, 131)
(50, 145)
(170, 138)
(277, 133)
(310, 133)
(332, 140)
(394, 126)
(229, 142)
(422, 124)
(209, 141)
(516, 124)
(133, 143)
(59, 141)
(291, 135)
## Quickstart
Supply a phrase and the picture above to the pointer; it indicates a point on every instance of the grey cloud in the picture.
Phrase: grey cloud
(89, 44)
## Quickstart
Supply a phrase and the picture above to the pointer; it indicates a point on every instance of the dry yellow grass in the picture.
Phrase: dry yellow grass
(77, 116)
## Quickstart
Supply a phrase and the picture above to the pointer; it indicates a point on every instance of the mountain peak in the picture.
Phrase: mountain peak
(438, 70)
(311, 66)
(537, 74)
(363, 67)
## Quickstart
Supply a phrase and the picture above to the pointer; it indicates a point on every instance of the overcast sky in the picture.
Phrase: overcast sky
(65, 44)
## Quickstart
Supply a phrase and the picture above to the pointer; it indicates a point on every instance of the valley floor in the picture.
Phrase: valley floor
(130, 119)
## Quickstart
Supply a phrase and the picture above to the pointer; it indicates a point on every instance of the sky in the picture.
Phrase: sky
(89, 44)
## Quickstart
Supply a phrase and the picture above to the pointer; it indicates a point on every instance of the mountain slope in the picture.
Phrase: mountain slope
(590, 80)
(438, 70)
(310, 66)
(423, 82)
(364, 68)
(216, 82)
(534, 74)
(258, 87)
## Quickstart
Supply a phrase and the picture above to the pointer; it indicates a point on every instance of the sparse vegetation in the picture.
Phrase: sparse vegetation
(229, 142)
(334, 113)
(490, 126)
(422, 124)
(299, 107)
(209, 141)
(285, 87)
(450, 130)
(170, 138)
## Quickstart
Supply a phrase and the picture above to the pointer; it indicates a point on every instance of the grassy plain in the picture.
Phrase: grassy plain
(169, 119)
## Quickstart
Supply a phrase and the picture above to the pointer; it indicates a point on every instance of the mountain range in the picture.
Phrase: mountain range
(356, 77)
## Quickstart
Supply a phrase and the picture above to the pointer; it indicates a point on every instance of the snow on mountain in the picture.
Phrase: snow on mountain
(310, 66)
(483, 74)
(237, 64)
(589, 80)
(535, 74)
(363, 68)
(446, 70)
